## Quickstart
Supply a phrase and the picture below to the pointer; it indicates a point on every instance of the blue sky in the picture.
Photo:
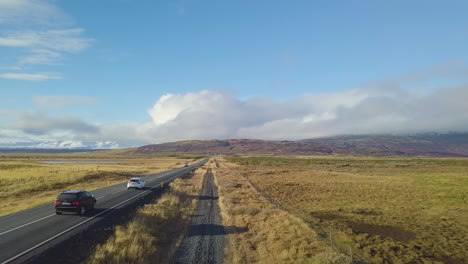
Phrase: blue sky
(138, 72)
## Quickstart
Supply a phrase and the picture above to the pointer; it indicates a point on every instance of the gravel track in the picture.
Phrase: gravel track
(205, 238)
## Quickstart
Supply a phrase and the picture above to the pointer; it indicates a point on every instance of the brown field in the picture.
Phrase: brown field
(26, 182)
(391, 210)
(265, 233)
(156, 230)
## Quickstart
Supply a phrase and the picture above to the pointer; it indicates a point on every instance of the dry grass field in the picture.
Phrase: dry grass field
(26, 182)
(392, 210)
(264, 233)
(152, 236)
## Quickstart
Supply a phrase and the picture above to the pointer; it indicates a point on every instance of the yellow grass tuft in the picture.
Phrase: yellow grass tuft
(270, 235)
(401, 210)
(153, 235)
(26, 182)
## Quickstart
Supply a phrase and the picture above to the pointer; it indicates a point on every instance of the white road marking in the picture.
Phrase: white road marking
(77, 225)
(71, 228)
(119, 191)
(24, 211)
(18, 227)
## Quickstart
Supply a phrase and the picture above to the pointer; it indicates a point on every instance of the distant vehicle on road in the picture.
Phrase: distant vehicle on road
(74, 201)
(186, 165)
(136, 183)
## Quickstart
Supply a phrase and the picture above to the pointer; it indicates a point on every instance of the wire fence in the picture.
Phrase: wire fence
(323, 233)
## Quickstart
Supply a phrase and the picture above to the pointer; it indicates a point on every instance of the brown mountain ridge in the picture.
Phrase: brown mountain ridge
(435, 145)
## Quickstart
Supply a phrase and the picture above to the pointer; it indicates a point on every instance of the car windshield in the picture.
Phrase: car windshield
(67, 196)
(134, 180)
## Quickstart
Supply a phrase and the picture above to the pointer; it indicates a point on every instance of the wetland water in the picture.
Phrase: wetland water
(81, 162)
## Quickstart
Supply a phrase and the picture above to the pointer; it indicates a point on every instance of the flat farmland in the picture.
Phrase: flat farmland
(26, 181)
(390, 210)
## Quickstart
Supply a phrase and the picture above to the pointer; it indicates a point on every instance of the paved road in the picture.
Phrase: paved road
(28, 232)
(205, 240)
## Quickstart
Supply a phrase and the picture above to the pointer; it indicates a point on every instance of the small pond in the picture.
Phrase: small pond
(81, 162)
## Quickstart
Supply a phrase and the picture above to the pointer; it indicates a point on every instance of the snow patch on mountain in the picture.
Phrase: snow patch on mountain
(67, 144)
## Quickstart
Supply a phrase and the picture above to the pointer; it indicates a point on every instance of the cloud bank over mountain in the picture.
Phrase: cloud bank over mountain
(212, 114)
(400, 106)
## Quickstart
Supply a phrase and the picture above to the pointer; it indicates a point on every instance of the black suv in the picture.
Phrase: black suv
(74, 201)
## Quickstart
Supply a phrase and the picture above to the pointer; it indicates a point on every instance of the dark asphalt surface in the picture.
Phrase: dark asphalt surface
(205, 239)
(27, 233)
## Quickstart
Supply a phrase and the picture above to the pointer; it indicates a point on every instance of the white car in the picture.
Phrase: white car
(136, 183)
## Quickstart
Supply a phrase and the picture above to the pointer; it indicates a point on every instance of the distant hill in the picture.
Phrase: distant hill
(435, 145)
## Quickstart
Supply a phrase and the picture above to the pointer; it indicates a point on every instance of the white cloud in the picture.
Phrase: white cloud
(31, 76)
(387, 109)
(41, 56)
(18, 140)
(382, 107)
(68, 144)
(66, 40)
(170, 106)
(106, 145)
(214, 114)
(31, 13)
(62, 101)
(37, 123)
(39, 33)
(46, 47)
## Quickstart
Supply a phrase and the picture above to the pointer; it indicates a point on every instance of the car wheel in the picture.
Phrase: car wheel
(92, 206)
(58, 213)
(82, 210)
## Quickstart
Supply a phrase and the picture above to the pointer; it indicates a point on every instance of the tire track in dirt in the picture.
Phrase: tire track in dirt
(205, 238)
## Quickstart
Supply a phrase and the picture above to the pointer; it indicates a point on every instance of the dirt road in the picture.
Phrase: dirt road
(205, 239)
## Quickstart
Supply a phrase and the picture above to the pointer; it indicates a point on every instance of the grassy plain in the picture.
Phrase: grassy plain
(153, 235)
(26, 182)
(264, 233)
(392, 210)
